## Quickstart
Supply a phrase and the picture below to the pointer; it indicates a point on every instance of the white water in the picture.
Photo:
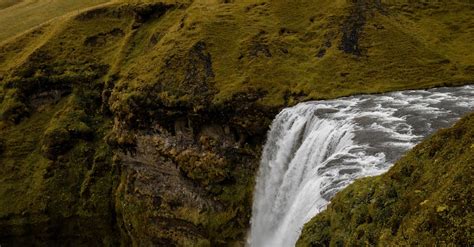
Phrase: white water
(315, 149)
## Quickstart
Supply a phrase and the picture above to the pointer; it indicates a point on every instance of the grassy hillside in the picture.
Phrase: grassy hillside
(424, 200)
(292, 51)
(148, 116)
(17, 16)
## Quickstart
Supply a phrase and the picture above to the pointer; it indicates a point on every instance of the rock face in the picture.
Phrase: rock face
(142, 122)
(188, 185)
(423, 200)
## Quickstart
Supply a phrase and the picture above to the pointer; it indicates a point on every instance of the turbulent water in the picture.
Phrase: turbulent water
(315, 149)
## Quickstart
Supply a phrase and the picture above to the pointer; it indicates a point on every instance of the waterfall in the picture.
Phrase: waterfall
(315, 149)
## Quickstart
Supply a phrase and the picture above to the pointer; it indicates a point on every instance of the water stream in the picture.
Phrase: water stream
(315, 149)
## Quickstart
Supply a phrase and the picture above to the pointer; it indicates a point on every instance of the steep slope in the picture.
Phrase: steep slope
(425, 199)
(142, 121)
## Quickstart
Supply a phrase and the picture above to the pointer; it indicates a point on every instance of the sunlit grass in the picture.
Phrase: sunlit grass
(17, 16)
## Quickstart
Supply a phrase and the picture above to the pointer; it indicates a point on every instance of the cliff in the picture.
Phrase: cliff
(142, 122)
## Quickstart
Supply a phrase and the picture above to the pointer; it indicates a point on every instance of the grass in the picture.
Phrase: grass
(272, 47)
(19, 16)
(423, 200)
(8, 3)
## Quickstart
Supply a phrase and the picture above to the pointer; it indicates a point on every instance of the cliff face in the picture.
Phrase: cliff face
(142, 121)
(423, 200)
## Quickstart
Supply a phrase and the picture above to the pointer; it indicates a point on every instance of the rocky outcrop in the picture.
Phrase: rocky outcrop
(190, 181)
(353, 25)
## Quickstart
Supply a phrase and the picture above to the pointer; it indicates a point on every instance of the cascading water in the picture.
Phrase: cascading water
(315, 149)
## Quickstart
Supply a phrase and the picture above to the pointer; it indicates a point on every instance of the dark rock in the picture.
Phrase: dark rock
(353, 26)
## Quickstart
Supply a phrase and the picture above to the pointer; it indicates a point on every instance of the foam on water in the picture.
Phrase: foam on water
(315, 149)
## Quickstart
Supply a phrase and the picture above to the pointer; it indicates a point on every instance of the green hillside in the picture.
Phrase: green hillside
(142, 122)
(17, 16)
(424, 200)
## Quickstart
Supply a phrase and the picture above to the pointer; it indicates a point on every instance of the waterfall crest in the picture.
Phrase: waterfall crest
(315, 149)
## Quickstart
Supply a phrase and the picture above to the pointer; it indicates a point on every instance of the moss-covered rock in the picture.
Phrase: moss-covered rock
(424, 199)
(66, 127)
(66, 199)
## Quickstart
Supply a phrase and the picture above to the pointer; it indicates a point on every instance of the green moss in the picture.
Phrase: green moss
(54, 155)
(205, 168)
(424, 199)
(13, 110)
(66, 193)
(64, 129)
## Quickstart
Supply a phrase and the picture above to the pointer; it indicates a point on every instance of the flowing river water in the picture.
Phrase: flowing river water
(315, 149)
